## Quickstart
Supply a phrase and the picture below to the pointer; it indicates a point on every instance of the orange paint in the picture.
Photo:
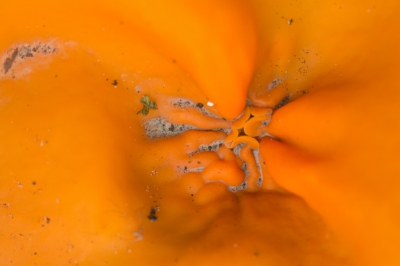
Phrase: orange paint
(87, 180)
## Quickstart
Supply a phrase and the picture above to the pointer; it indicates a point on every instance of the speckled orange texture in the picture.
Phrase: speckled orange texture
(83, 183)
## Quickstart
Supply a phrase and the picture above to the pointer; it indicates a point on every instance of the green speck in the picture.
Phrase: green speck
(147, 105)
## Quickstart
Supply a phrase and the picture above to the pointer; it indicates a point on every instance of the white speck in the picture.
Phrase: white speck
(19, 184)
(235, 245)
(137, 236)
(153, 172)
(42, 142)
(368, 10)
(57, 200)
(209, 103)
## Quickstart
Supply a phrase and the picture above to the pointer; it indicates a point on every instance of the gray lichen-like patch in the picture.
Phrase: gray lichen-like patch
(161, 128)
(257, 158)
(238, 148)
(214, 146)
(184, 103)
(255, 153)
(27, 50)
(283, 102)
(11, 60)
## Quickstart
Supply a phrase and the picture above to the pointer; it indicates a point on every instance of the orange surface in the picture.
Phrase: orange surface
(82, 182)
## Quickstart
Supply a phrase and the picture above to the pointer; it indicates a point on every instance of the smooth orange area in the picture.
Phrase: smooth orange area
(246, 140)
(225, 172)
(231, 137)
(255, 126)
(260, 111)
(332, 150)
(239, 123)
(86, 180)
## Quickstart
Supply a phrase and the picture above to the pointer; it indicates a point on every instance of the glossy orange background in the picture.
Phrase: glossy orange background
(79, 176)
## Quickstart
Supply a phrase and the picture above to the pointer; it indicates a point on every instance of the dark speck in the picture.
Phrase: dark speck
(9, 61)
(283, 102)
(152, 216)
(33, 183)
(115, 82)
(199, 105)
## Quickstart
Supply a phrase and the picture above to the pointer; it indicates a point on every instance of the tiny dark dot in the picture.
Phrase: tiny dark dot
(33, 183)
(115, 82)
(152, 216)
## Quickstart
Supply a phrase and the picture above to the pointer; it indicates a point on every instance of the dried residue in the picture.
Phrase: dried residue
(20, 59)
(161, 128)
(185, 103)
(275, 82)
